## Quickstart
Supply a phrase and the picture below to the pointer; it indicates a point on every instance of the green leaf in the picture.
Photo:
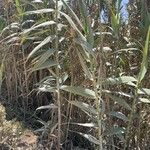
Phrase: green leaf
(47, 64)
(120, 101)
(84, 107)
(90, 125)
(44, 57)
(144, 91)
(73, 25)
(79, 91)
(85, 55)
(51, 106)
(18, 6)
(2, 23)
(44, 24)
(115, 131)
(44, 42)
(47, 88)
(90, 138)
(85, 45)
(115, 22)
(41, 11)
(119, 115)
(144, 63)
(73, 14)
(87, 24)
(84, 66)
(144, 100)
(121, 80)
(46, 79)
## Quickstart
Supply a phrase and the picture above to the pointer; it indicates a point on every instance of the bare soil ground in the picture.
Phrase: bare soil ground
(14, 135)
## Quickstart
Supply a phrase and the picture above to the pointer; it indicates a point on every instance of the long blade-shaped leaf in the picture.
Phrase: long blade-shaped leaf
(79, 91)
(85, 45)
(120, 101)
(115, 131)
(72, 13)
(87, 25)
(84, 66)
(73, 26)
(18, 6)
(90, 138)
(144, 64)
(40, 11)
(86, 124)
(119, 115)
(144, 91)
(47, 64)
(44, 42)
(44, 24)
(84, 107)
(144, 100)
(44, 57)
(121, 80)
(51, 106)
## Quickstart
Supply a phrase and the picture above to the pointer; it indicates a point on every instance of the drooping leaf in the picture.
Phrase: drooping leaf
(144, 91)
(144, 100)
(120, 101)
(43, 123)
(79, 91)
(73, 25)
(9, 37)
(121, 80)
(90, 138)
(44, 24)
(47, 88)
(41, 11)
(131, 84)
(119, 115)
(44, 42)
(73, 13)
(51, 106)
(64, 77)
(13, 40)
(90, 125)
(44, 57)
(84, 107)
(46, 79)
(115, 131)
(118, 93)
(47, 64)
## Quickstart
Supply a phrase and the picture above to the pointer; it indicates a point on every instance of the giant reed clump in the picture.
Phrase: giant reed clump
(94, 68)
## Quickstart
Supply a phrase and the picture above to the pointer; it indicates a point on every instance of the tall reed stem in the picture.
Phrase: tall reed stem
(127, 137)
(99, 116)
(98, 105)
(58, 76)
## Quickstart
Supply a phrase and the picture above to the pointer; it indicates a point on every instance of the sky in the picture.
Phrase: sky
(126, 1)
(124, 11)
